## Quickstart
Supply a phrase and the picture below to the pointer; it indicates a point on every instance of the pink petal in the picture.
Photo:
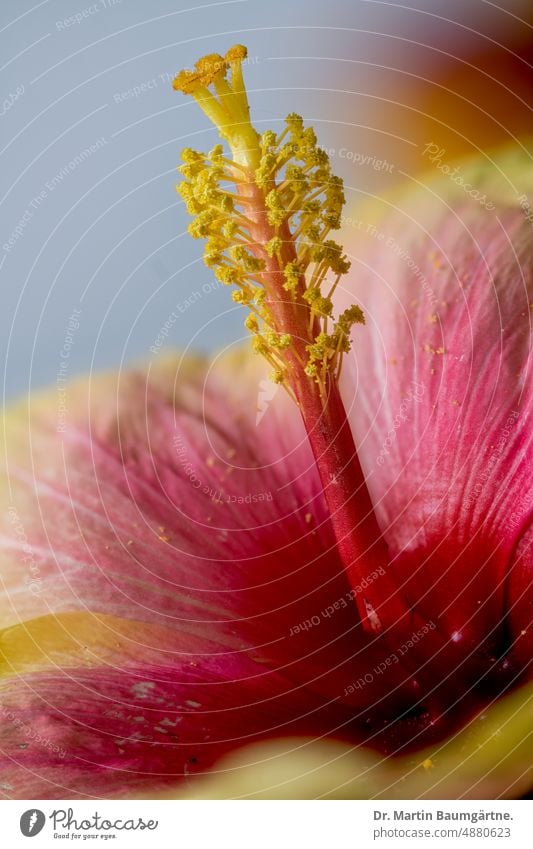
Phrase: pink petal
(442, 412)
(226, 597)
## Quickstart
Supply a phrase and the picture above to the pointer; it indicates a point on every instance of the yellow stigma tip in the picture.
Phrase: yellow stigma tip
(206, 71)
(236, 53)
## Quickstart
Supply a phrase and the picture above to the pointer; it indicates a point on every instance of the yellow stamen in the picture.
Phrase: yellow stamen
(282, 181)
(284, 268)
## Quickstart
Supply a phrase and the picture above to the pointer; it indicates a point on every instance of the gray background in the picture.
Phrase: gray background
(109, 238)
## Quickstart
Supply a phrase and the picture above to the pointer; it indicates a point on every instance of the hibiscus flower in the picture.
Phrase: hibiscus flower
(346, 571)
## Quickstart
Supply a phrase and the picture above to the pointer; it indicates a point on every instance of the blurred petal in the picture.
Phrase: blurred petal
(167, 546)
(489, 759)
